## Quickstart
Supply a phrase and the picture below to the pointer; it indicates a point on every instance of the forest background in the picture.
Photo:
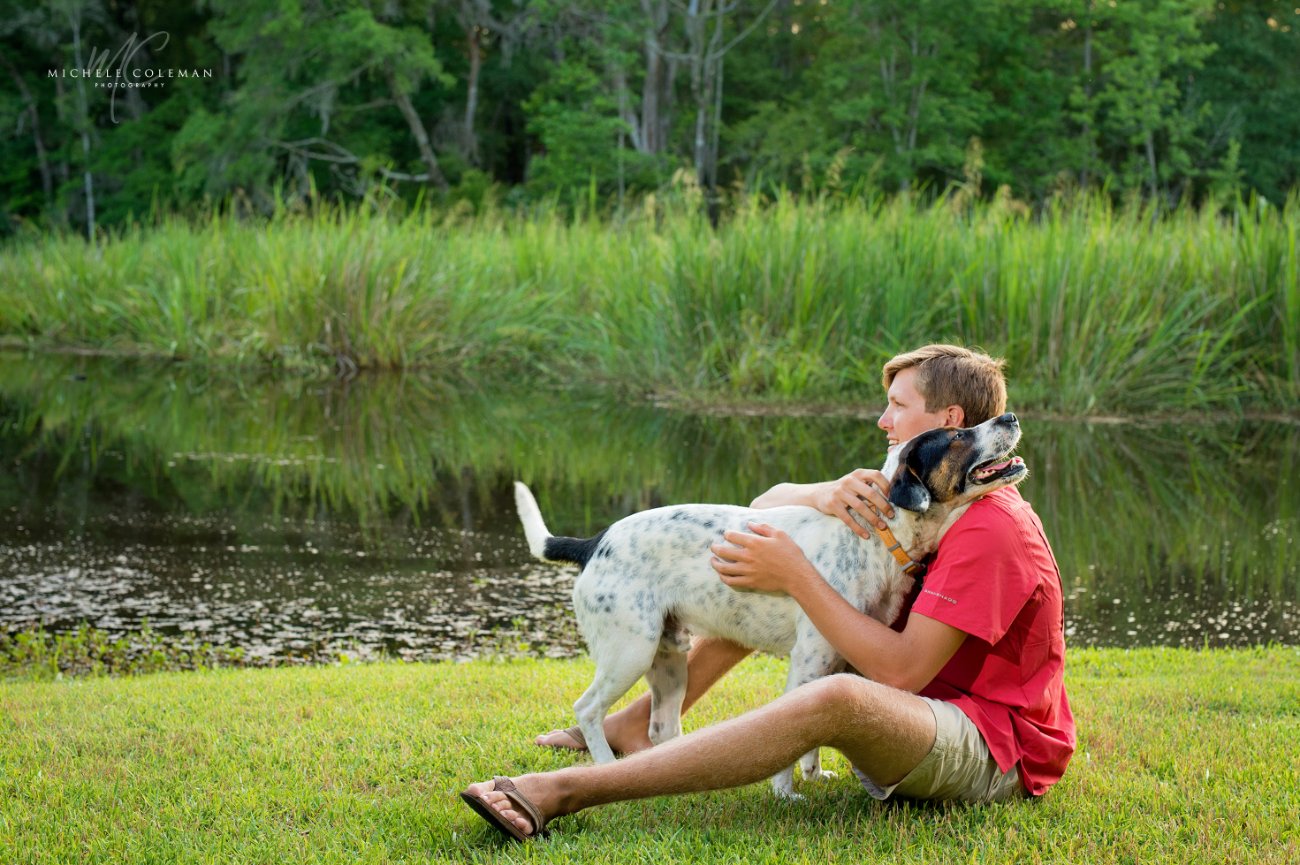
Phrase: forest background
(118, 109)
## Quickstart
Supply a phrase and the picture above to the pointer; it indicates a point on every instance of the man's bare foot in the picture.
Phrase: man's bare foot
(621, 733)
(562, 739)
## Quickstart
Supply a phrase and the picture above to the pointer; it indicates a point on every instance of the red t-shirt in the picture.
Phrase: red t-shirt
(994, 577)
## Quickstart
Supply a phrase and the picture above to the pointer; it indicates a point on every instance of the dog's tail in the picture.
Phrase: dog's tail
(544, 545)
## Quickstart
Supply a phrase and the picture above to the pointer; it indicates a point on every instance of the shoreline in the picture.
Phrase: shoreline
(719, 404)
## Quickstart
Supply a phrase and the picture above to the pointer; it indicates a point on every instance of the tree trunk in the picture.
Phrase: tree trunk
(706, 78)
(625, 112)
(889, 84)
(1087, 95)
(666, 105)
(471, 96)
(717, 118)
(42, 158)
(88, 181)
(699, 60)
(417, 129)
(658, 82)
(620, 81)
(65, 170)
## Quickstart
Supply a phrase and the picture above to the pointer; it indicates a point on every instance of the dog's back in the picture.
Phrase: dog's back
(653, 567)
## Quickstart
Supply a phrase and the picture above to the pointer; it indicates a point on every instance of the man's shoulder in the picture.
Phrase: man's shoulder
(1006, 498)
(1002, 507)
(991, 523)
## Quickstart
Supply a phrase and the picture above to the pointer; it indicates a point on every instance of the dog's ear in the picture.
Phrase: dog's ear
(907, 491)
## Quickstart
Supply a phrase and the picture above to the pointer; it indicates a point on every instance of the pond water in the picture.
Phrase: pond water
(299, 519)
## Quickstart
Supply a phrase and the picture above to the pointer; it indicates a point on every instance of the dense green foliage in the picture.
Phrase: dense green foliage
(521, 100)
(1099, 310)
(37, 654)
(361, 764)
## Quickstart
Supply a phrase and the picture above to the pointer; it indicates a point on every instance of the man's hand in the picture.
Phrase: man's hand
(864, 491)
(764, 559)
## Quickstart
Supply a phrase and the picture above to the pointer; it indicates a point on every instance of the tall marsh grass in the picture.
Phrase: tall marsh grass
(1098, 309)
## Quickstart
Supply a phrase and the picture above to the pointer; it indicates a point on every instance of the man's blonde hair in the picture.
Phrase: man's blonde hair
(951, 375)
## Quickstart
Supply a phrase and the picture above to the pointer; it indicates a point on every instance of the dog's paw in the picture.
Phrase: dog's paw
(819, 775)
(783, 786)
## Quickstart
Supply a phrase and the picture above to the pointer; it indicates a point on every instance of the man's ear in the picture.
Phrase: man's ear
(907, 492)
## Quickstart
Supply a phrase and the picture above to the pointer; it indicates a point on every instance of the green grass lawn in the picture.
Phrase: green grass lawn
(1183, 757)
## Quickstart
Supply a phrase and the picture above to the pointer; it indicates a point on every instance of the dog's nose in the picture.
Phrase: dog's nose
(1009, 418)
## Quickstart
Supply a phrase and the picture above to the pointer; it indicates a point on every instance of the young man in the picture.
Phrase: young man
(963, 699)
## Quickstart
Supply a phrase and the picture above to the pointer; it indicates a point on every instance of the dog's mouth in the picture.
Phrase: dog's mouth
(998, 468)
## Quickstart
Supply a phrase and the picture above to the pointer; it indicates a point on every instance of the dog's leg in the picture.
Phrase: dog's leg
(810, 764)
(811, 658)
(667, 680)
(619, 664)
(783, 781)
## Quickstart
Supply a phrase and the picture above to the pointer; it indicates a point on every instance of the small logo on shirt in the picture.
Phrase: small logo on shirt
(952, 601)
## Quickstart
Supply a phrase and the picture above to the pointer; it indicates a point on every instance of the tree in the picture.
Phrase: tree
(308, 73)
(707, 49)
(485, 24)
(1129, 96)
(1157, 98)
(43, 29)
(896, 80)
(1251, 87)
(578, 124)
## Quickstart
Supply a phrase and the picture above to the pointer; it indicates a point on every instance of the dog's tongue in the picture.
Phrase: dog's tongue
(993, 469)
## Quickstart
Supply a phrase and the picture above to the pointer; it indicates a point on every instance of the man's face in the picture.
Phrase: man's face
(906, 416)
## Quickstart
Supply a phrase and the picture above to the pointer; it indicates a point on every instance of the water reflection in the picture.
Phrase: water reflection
(297, 518)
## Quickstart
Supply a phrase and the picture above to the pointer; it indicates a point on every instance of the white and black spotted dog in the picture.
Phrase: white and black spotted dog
(646, 582)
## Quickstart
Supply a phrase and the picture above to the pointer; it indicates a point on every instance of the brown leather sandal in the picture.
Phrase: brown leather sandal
(498, 821)
(575, 733)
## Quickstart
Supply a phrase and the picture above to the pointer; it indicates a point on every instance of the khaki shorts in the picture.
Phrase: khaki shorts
(959, 766)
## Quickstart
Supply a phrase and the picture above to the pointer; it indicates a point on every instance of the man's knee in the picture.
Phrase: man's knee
(860, 700)
(855, 715)
(842, 694)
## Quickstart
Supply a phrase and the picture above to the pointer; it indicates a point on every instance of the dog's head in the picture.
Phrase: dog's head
(952, 467)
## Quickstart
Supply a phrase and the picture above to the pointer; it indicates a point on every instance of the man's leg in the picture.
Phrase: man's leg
(884, 732)
(626, 730)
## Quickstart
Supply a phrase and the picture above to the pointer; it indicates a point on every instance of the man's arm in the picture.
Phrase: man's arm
(864, 491)
(792, 494)
(908, 660)
(768, 560)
